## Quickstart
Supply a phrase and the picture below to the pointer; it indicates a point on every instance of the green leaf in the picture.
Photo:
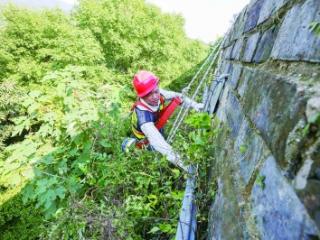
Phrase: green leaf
(315, 28)
(105, 143)
(60, 192)
(47, 159)
(41, 186)
(176, 172)
(28, 193)
(260, 181)
(35, 94)
(243, 149)
(154, 230)
(315, 118)
(28, 173)
(62, 167)
(166, 228)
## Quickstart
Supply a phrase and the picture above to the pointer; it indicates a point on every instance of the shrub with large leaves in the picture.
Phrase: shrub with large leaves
(64, 115)
(134, 35)
(33, 43)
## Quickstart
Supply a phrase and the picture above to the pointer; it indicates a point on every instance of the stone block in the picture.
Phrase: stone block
(247, 75)
(234, 116)
(227, 52)
(310, 197)
(251, 46)
(238, 26)
(226, 40)
(274, 104)
(277, 209)
(224, 210)
(225, 67)
(249, 148)
(269, 8)
(253, 13)
(295, 42)
(237, 49)
(265, 45)
(215, 92)
(221, 107)
(235, 72)
(235, 75)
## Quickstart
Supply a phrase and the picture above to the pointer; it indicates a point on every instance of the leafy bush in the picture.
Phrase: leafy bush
(36, 42)
(134, 36)
(10, 95)
(65, 92)
(19, 221)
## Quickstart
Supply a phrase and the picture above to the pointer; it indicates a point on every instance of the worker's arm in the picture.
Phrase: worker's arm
(170, 94)
(158, 142)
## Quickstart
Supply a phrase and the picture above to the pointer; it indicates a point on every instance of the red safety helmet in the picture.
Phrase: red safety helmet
(144, 82)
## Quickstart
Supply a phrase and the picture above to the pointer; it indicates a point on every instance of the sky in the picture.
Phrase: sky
(205, 20)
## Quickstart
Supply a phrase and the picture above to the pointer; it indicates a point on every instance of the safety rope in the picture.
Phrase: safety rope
(213, 56)
(187, 225)
(186, 89)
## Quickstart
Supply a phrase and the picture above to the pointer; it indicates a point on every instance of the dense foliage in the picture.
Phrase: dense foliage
(65, 95)
(136, 38)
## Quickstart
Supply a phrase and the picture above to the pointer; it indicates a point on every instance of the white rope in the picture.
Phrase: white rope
(186, 89)
(214, 50)
(185, 107)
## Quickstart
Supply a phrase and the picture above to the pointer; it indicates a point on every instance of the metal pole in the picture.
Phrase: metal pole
(187, 221)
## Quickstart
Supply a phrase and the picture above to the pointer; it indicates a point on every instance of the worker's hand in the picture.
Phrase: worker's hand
(176, 160)
(198, 106)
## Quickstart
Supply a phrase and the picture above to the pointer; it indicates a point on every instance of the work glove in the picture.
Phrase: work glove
(197, 106)
(176, 160)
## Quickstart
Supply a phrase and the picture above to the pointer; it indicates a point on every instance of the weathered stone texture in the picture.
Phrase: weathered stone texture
(265, 45)
(237, 49)
(223, 212)
(311, 199)
(235, 71)
(227, 52)
(249, 148)
(277, 209)
(253, 14)
(269, 8)
(295, 41)
(267, 160)
(237, 29)
(251, 46)
(273, 104)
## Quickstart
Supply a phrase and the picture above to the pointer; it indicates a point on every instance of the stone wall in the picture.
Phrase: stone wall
(267, 159)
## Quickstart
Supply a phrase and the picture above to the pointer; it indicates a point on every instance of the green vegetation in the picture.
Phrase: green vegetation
(260, 181)
(315, 28)
(243, 148)
(65, 94)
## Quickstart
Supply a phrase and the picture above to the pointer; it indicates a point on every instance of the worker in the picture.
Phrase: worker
(146, 112)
